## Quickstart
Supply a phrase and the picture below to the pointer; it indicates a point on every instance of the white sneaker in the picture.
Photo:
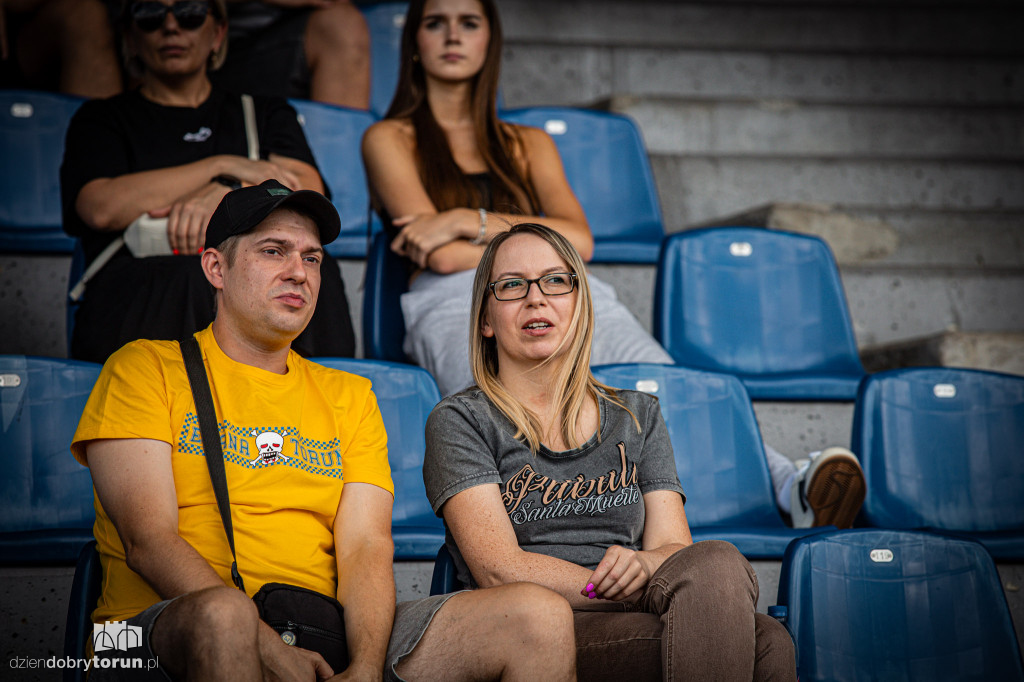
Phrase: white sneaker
(828, 490)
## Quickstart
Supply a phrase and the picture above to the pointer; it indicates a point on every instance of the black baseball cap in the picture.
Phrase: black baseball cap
(243, 209)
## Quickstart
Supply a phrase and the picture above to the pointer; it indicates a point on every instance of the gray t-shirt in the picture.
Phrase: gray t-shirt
(573, 504)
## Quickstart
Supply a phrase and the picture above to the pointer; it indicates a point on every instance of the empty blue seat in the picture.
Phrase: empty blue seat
(607, 166)
(32, 129)
(46, 495)
(943, 448)
(869, 604)
(383, 321)
(719, 455)
(765, 305)
(405, 395)
(335, 135)
(385, 21)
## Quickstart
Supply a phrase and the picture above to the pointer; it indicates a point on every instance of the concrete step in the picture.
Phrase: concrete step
(696, 189)
(571, 75)
(960, 239)
(33, 289)
(793, 129)
(898, 238)
(890, 304)
(796, 429)
(940, 28)
(979, 350)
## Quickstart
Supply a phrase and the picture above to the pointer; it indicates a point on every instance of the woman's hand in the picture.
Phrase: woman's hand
(620, 575)
(422, 234)
(188, 217)
(254, 172)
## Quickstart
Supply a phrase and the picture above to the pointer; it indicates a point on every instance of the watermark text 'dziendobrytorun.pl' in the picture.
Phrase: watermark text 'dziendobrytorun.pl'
(69, 663)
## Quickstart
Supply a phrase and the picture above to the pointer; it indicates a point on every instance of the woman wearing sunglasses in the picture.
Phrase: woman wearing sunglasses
(543, 474)
(171, 149)
(447, 176)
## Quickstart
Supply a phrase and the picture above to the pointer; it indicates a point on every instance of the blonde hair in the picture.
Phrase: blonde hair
(573, 381)
(133, 65)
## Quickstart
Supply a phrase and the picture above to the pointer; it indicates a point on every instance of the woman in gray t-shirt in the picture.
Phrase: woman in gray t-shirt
(544, 475)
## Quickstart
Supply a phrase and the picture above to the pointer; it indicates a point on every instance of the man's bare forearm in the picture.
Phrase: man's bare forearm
(367, 591)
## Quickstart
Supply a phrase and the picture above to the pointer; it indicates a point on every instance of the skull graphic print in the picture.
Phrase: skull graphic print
(268, 447)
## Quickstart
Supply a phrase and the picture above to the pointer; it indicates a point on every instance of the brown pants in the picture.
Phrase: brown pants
(695, 621)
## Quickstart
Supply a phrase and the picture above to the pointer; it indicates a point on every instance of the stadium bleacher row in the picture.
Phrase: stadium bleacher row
(963, 487)
(940, 447)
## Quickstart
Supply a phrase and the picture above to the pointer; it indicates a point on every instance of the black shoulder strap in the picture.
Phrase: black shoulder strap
(207, 416)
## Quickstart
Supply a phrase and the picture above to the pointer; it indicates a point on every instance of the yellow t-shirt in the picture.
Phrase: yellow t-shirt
(290, 444)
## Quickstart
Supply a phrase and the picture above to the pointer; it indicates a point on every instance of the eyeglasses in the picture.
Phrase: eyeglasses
(150, 16)
(515, 288)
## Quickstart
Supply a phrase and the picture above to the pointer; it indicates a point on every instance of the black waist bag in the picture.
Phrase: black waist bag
(306, 619)
(302, 617)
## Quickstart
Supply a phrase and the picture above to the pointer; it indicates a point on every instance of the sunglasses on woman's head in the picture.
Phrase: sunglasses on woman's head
(150, 15)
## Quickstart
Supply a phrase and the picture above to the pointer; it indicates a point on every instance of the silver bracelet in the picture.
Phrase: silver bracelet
(479, 239)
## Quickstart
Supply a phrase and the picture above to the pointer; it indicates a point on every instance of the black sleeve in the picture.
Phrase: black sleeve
(96, 146)
(280, 133)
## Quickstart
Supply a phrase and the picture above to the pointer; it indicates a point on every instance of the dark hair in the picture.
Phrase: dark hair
(444, 181)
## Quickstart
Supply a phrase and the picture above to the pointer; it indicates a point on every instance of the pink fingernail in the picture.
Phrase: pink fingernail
(175, 251)
(592, 595)
(590, 587)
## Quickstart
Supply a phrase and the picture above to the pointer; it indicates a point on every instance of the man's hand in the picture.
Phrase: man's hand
(254, 172)
(283, 663)
(359, 672)
(620, 575)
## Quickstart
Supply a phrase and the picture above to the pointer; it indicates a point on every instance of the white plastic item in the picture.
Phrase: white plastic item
(147, 236)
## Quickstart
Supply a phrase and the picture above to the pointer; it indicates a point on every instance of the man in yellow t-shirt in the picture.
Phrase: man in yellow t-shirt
(305, 454)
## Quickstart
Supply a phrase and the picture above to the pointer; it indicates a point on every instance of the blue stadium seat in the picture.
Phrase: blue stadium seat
(765, 305)
(406, 395)
(32, 128)
(444, 579)
(869, 604)
(46, 495)
(607, 166)
(85, 592)
(335, 135)
(719, 455)
(943, 449)
(385, 21)
(383, 322)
